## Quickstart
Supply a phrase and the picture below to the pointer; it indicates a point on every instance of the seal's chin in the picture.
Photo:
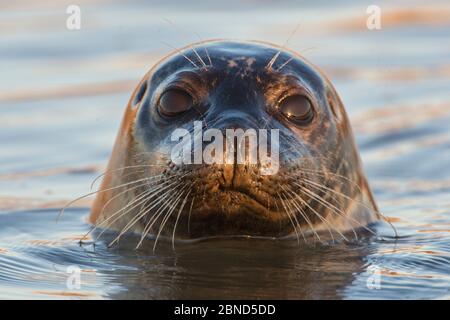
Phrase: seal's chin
(234, 213)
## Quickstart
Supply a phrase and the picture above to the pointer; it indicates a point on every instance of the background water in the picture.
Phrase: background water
(62, 95)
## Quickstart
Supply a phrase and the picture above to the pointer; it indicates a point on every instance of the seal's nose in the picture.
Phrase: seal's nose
(239, 155)
(228, 176)
(236, 177)
(238, 151)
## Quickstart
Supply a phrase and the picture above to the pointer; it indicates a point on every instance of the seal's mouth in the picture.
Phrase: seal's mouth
(240, 196)
(233, 212)
(224, 201)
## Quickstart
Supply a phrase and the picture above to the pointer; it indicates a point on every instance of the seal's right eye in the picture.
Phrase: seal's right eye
(297, 109)
(174, 102)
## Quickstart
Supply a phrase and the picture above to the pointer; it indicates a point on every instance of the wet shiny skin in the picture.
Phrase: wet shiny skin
(61, 101)
(320, 184)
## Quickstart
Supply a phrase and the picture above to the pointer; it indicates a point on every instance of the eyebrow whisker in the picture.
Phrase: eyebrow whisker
(275, 57)
(181, 52)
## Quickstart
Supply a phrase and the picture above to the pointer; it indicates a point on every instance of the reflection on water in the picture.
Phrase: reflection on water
(62, 94)
(209, 269)
(37, 252)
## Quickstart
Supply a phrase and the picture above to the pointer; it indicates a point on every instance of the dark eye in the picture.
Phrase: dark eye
(297, 109)
(174, 102)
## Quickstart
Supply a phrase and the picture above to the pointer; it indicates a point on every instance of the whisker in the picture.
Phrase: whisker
(118, 195)
(316, 185)
(178, 217)
(292, 211)
(199, 58)
(328, 205)
(292, 58)
(95, 192)
(272, 61)
(275, 57)
(324, 220)
(135, 219)
(146, 206)
(190, 46)
(155, 217)
(290, 218)
(181, 53)
(189, 215)
(148, 194)
(209, 57)
(285, 63)
(165, 200)
(206, 49)
(121, 169)
(168, 214)
(139, 200)
(305, 217)
(326, 173)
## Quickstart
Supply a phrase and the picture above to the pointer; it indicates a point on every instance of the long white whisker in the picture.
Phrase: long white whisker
(324, 220)
(121, 169)
(168, 214)
(148, 194)
(327, 205)
(181, 53)
(95, 192)
(290, 218)
(189, 215)
(322, 187)
(303, 214)
(275, 57)
(178, 217)
(123, 192)
(155, 217)
(167, 198)
(152, 193)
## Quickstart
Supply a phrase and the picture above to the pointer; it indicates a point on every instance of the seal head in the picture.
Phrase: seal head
(319, 186)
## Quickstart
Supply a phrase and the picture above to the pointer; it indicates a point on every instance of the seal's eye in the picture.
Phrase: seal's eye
(174, 102)
(297, 109)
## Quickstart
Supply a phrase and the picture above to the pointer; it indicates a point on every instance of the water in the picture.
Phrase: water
(62, 95)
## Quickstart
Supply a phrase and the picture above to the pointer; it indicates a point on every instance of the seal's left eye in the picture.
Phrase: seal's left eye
(174, 102)
(297, 109)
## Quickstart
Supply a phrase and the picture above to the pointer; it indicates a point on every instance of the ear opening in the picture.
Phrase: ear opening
(140, 94)
(335, 105)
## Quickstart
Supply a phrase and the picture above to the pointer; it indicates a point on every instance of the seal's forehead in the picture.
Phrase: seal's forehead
(226, 51)
(237, 57)
(219, 55)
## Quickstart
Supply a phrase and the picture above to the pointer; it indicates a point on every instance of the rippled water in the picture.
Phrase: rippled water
(62, 94)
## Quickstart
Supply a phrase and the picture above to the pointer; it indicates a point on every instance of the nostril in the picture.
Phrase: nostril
(227, 176)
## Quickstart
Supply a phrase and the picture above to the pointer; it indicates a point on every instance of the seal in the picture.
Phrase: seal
(319, 190)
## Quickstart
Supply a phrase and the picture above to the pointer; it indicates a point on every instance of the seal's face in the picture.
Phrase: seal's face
(319, 183)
